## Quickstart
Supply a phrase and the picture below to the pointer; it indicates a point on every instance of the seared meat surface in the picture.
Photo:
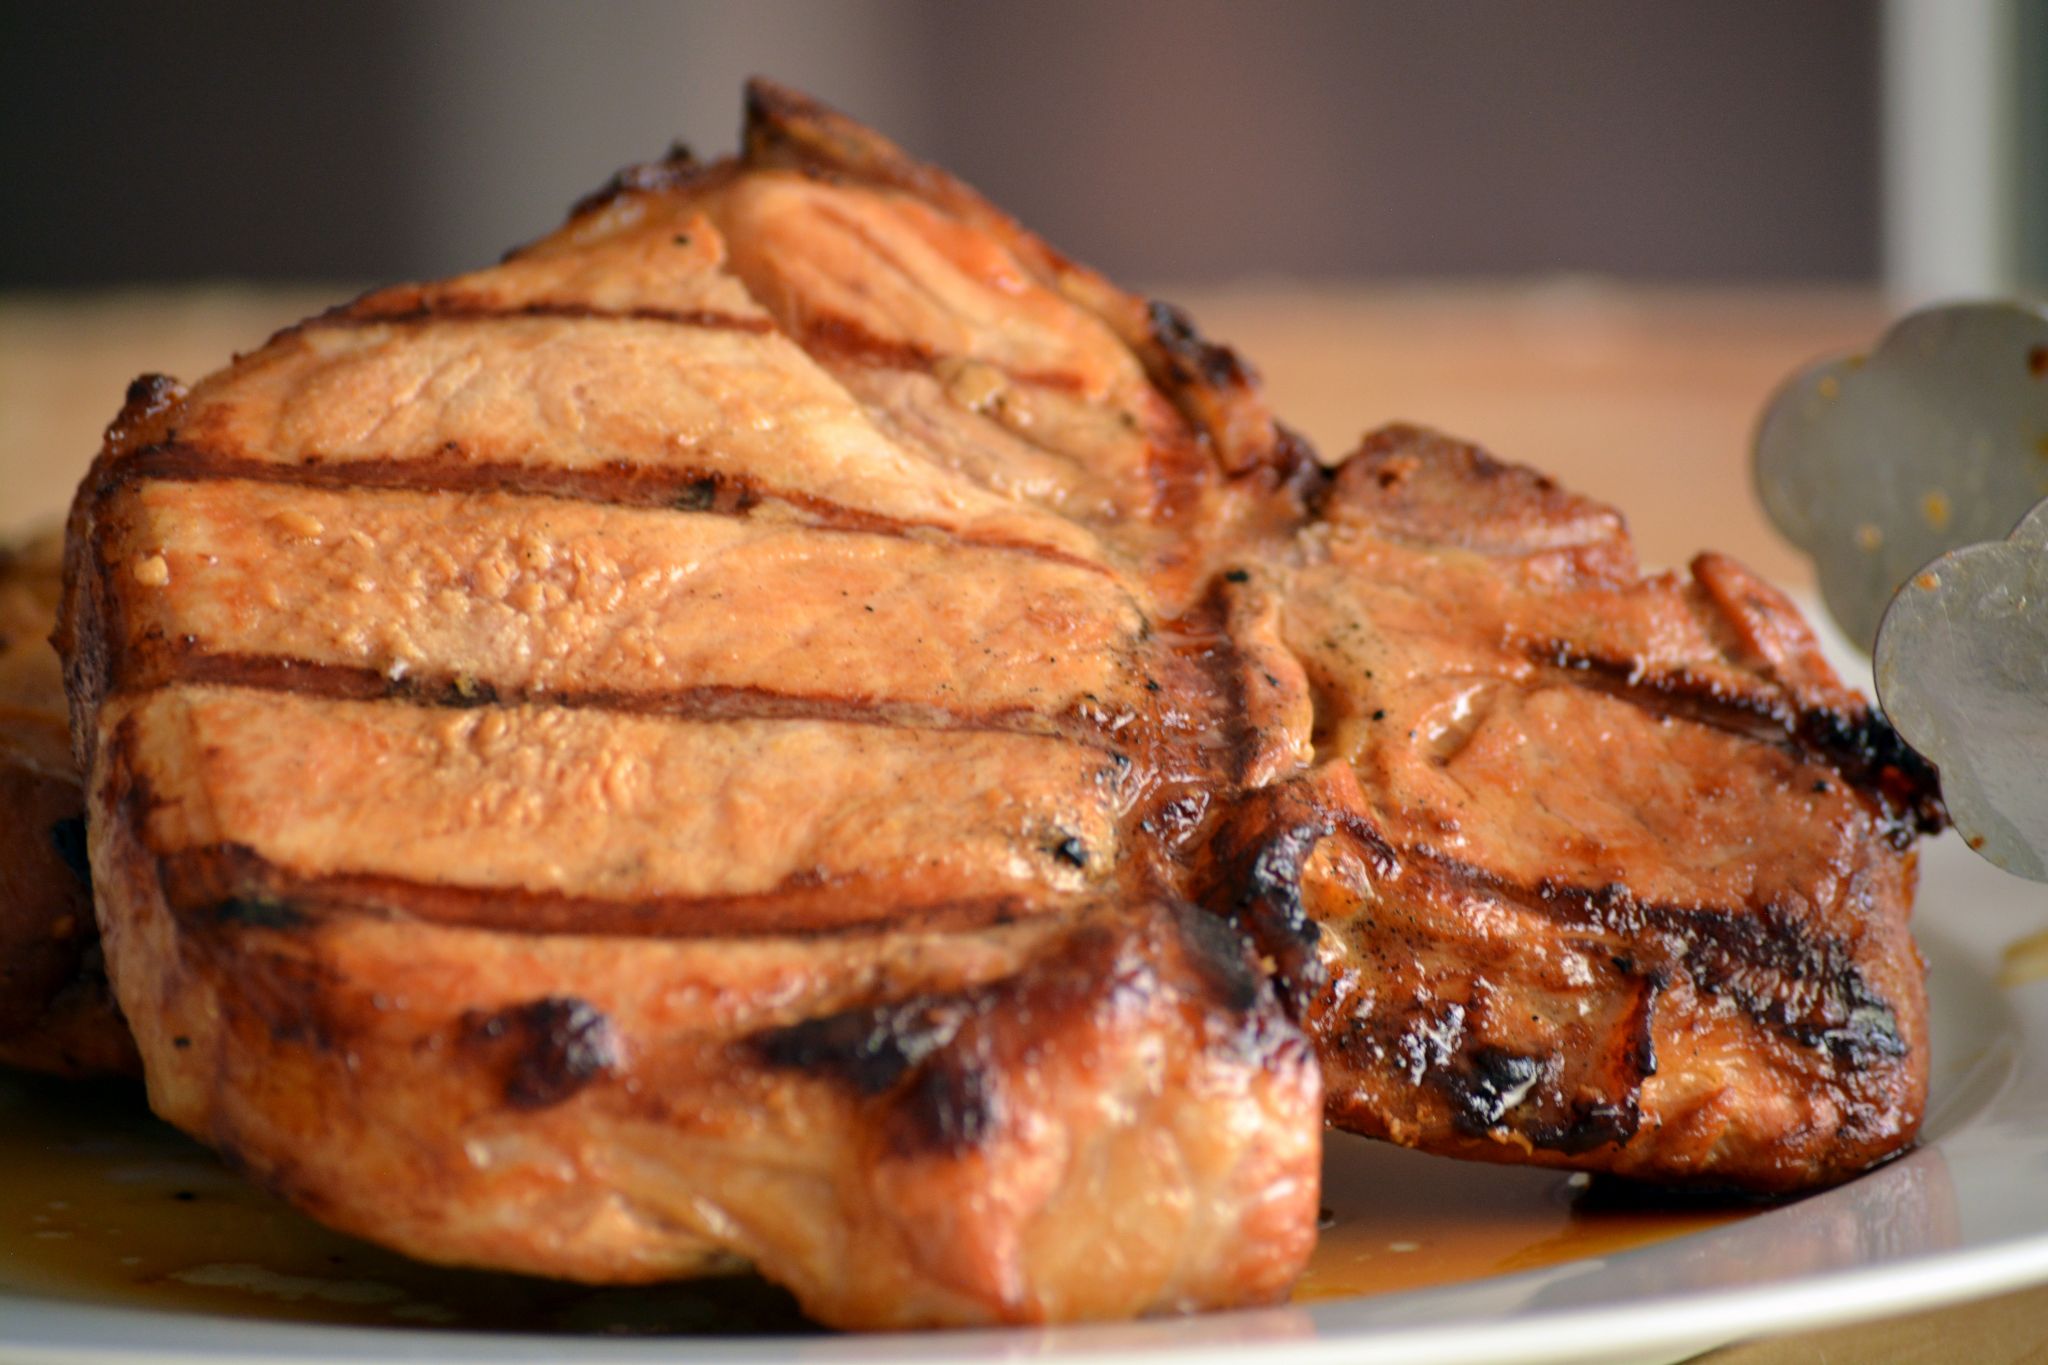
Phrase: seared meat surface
(577, 790)
(57, 1013)
(750, 731)
(1592, 869)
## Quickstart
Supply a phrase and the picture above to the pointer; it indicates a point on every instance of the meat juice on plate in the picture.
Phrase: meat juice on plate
(109, 1205)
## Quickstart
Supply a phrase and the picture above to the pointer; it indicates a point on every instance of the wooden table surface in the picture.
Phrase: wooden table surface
(1643, 397)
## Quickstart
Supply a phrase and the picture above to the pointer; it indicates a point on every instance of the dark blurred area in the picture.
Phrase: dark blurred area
(1157, 139)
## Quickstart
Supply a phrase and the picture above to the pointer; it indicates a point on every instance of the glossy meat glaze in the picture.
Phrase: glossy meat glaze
(1591, 869)
(743, 734)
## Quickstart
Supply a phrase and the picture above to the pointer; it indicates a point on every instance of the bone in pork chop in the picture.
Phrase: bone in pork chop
(742, 734)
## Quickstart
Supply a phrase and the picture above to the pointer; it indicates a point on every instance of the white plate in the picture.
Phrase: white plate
(1964, 1215)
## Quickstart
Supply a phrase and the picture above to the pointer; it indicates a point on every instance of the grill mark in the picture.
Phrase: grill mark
(288, 995)
(231, 887)
(1177, 466)
(1261, 852)
(1574, 1092)
(1864, 748)
(1676, 696)
(1196, 681)
(1212, 388)
(868, 1048)
(1491, 1088)
(1208, 384)
(183, 663)
(844, 339)
(1187, 359)
(848, 338)
(1870, 753)
(1482, 1083)
(258, 912)
(1786, 974)
(1214, 963)
(837, 337)
(544, 1051)
(1269, 908)
(953, 1107)
(1764, 959)
(458, 308)
(946, 1102)
(1769, 962)
(1219, 959)
(831, 211)
(619, 483)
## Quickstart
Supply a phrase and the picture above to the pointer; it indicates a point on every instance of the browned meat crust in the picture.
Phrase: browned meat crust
(57, 1013)
(585, 784)
(1592, 869)
(700, 743)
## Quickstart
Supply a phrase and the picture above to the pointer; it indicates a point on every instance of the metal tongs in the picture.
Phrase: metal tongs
(1916, 478)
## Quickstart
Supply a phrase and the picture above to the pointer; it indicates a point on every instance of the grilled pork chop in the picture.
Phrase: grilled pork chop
(575, 790)
(57, 1013)
(1592, 869)
(743, 733)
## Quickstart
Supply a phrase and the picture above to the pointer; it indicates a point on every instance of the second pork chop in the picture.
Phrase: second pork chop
(1592, 868)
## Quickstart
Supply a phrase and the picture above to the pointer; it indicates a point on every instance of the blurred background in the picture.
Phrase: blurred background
(1163, 140)
(1592, 233)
